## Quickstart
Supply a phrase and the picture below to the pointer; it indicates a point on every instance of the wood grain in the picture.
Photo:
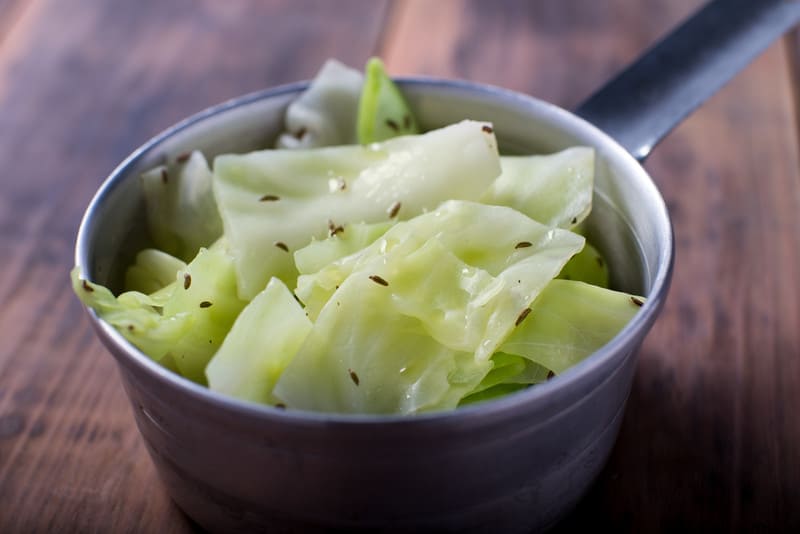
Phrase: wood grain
(83, 83)
(557, 51)
(10, 12)
(710, 440)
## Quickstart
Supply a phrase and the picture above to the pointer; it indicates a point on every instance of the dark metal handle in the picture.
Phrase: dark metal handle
(648, 99)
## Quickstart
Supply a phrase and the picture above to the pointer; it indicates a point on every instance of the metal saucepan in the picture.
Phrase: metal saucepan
(515, 464)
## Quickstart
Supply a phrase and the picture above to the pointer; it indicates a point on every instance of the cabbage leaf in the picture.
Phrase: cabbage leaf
(261, 342)
(325, 114)
(186, 320)
(410, 323)
(181, 210)
(383, 112)
(555, 189)
(588, 266)
(569, 321)
(153, 269)
(274, 201)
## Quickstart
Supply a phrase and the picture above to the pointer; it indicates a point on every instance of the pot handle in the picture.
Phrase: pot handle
(648, 99)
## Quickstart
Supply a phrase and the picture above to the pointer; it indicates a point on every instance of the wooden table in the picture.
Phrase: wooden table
(711, 438)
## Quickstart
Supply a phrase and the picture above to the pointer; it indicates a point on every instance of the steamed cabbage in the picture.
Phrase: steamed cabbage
(275, 201)
(186, 320)
(325, 114)
(260, 345)
(406, 274)
(383, 112)
(555, 189)
(181, 210)
(450, 280)
(569, 321)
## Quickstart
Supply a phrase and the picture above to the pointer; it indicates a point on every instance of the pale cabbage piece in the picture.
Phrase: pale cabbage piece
(261, 342)
(274, 200)
(181, 210)
(326, 113)
(504, 260)
(587, 266)
(555, 189)
(569, 321)
(152, 270)
(183, 323)
(446, 294)
(383, 112)
(135, 315)
(510, 373)
(353, 238)
(511, 369)
(364, 356)
(412, 324)
(206, 289)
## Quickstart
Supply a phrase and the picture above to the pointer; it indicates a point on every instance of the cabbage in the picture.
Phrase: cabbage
(135, 315)
(363, 356)
(423, 267)
(569, 321)
(554, 189)
(320, 253)
(488, 240)
(181, 211)
(206, 290)
(343, 107)
(185, 320)
(262, 341)
(588, 266)
(325, 114)
(274, 201)
(152, 270)
(511, 369)
(383, 112)
(417, 315)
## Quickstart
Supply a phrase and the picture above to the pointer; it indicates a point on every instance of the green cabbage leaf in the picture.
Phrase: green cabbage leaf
(274, 202)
